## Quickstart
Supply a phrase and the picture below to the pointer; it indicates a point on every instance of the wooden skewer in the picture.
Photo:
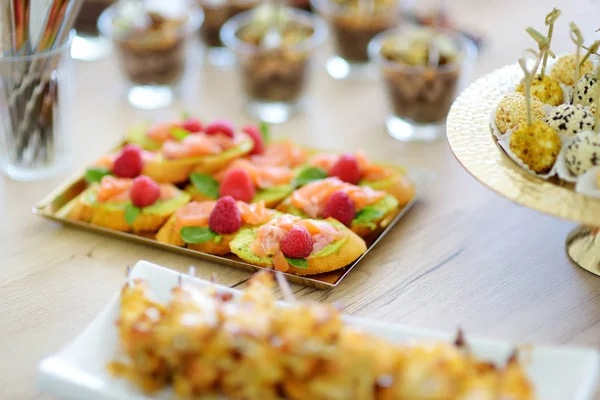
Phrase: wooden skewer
(550, 20)
(288, 294)
(528, 80)
(543, 45)
(577, 38)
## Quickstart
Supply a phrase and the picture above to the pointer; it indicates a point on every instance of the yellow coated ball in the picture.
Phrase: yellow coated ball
(564, 69)
(546, 89)
(536, 145)
(512, 111)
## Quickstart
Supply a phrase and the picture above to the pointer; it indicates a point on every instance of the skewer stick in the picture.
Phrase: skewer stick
(593, 49)
(288, 295)
(528, 80)
(577, 38)
(550, 20)
(597, 96)
(543, 45)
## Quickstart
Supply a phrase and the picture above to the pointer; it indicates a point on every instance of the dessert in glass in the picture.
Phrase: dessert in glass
(216, 13)
(151, 45)
(89, 45)
(422, 70)
(273, 57)
(353, 23)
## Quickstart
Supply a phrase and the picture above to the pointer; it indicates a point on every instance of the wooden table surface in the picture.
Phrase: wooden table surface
(462, 257)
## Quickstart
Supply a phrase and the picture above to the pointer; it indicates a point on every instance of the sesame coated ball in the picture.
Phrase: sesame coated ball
(564, 69)
(546, 89)
(568, 119)
(583, 153)
(586, 90)
(512, 111)
(536, 145)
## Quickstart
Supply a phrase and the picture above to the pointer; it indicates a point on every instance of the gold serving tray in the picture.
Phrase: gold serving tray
(476, 148)
(52, 203)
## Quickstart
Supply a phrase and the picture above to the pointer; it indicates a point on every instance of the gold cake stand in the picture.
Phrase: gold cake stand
(475, 147)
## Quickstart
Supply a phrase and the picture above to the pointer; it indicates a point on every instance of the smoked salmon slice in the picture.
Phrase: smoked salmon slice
(269, 235)
(197, 213)
(368, 170)
(262, 176)
(312, 197)
(116, 190)
(281, 154)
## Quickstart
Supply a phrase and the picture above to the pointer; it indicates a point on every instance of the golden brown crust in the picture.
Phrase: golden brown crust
(352, 248)
(401, 187)
(168, 235)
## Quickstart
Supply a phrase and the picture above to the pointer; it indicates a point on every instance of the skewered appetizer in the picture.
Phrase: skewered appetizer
(361, 208)
(546, 89)
(568, 120)
(583, 153)
(512, 111)
(139, 205)
(563, 69)
(536, 145)
(206, 342)
(299, 246)
(355, 168)
(209, 226)
(179, 148)
(586, 90)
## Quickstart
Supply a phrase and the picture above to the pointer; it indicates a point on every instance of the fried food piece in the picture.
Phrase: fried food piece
(512, 111)
(537, 145)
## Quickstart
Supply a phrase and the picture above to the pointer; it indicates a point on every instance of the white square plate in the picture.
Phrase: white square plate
(78, 371)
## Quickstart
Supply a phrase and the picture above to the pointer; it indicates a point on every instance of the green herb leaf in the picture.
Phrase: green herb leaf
(218, 239)
(206, 184)
(368, 214)
(264, 129)
(196, 234)
(185, 115)
(95, 174)
(131, 213)
(179, 133)
(308, 175)
(297, 262)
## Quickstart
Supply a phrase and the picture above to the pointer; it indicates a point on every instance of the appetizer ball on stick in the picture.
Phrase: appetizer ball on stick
(545, 88)
(512, 111)
(564, 69)
(583, 153)
(568, 120)
(586, 90)
(534, 143)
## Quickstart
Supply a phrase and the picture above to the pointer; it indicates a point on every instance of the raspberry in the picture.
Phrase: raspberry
(256, 136)
(297, 243)
(346, 168)
(192, 125)
(220, 126)
(225, 217)
(340, 206)
(144, 191)
(129, 163)
(237, 184)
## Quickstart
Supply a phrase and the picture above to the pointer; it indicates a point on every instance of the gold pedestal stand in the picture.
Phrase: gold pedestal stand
(475, 147)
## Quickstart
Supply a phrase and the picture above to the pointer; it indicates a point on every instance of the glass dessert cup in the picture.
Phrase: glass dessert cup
(88, 44)
(420, 95)
(216, 13)
(152, 53)
(352, 28)
(274, 79)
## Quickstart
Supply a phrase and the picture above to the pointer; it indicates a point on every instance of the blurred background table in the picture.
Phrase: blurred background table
(462, 257)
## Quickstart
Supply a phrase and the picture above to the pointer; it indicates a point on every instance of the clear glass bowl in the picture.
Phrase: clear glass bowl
(420, 97)
(154, 62)
(274, 80)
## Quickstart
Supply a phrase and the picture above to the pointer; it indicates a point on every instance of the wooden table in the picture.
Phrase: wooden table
(462, 257)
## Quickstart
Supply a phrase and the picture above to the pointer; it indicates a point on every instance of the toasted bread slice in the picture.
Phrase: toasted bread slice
(168, 234)
(378, 217)
(112, 215)
(334, 256)
(398, 185)
(271, 196)
(176, 171)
